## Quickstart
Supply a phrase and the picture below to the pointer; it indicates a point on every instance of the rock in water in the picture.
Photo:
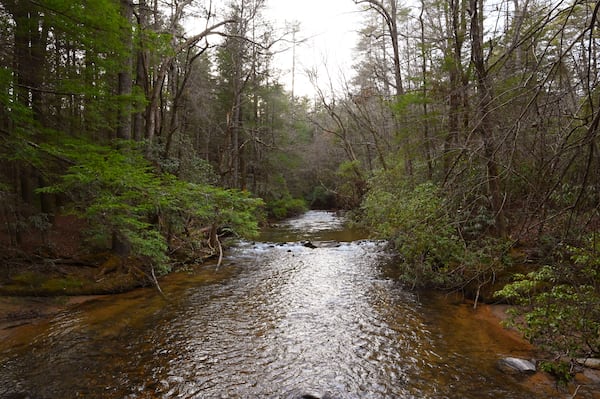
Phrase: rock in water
(309, 244)
(513, 365)
(589, 363)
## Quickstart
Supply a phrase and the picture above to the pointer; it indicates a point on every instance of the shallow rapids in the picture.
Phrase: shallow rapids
(279, 319)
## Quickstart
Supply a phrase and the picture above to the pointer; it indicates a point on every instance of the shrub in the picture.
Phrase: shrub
(322, 198)
(560, 304)
(124, 198)
(285, 207)
(416, 221)
(419, 222)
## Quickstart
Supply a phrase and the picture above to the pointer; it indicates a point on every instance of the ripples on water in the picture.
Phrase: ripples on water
(290, 321)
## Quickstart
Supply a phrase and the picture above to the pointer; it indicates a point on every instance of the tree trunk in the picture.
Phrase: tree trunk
(125, 84)
(425, 117)
(141, 72)
(455, 20)
(390, 16)
(484, 125)
(120, 244)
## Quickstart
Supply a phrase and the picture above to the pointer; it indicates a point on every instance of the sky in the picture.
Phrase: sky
(328, 28)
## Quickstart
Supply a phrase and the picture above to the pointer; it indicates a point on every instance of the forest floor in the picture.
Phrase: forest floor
(50, 273)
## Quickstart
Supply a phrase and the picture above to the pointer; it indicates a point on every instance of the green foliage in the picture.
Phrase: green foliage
(562, 371)
(477, 223)
(408, 99)
(119, 192)
(84, 21)
(560, 304)
(321, 198)
(285, 207)
(197, 170)
(418, 224)
(350, 185)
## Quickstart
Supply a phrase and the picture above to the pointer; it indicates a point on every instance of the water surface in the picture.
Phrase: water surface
(277, 320)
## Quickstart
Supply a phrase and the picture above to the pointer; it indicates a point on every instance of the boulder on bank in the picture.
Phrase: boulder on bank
(513, 365)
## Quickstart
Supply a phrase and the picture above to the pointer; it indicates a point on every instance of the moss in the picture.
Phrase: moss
(28, 279)
(60, 285)
(78, 282)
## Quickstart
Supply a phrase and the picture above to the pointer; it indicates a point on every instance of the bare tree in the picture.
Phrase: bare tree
(389, 13)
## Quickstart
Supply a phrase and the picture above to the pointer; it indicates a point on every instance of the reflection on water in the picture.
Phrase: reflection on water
(312, 225)
(280, 320)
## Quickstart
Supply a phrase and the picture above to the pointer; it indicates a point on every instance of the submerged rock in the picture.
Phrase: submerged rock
(513, 365)
(315, 396)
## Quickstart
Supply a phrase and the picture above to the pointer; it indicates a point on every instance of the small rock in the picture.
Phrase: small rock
(513, 365)
(589, 362)
(309, 244)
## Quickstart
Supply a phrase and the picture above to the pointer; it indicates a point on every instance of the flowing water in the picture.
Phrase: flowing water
(278, 320)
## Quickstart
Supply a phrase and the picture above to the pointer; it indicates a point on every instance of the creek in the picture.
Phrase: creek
(278, 319)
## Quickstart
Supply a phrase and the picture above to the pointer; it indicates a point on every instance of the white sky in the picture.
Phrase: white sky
(329, 27)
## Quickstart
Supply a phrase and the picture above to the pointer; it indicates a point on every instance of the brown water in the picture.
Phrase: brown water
(278, 320)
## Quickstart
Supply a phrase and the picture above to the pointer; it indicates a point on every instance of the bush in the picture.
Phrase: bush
(350, 184)
(419, 226)
(286, 207)
(418, 221)
(560, 304)
(322, 198)
(127, 201)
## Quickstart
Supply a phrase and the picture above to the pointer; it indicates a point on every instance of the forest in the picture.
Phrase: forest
(467, 136)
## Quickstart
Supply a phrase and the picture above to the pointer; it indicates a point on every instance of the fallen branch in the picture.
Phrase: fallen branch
(152, 277)
(220, 252)
(156, 283)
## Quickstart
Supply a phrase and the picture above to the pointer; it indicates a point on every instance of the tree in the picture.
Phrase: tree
(52, 83)
(389, 14)
(483, 125)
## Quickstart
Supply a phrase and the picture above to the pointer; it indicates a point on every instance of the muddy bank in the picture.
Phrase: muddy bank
(28, 308)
